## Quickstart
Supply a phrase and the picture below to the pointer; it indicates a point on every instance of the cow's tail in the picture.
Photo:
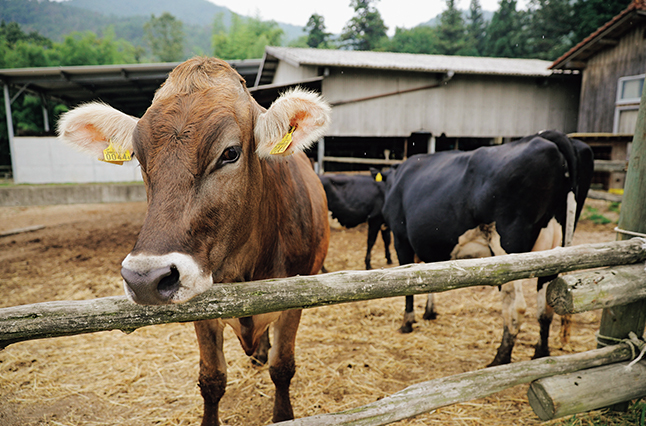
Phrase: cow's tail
(568, 151)
(570, 219)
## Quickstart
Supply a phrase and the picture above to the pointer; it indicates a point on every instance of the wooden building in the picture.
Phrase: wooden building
(612, 62)
(397, 104)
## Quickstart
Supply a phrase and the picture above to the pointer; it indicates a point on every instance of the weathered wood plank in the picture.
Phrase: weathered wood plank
(427, 396)
(603, 195)
(231, 300)
(610, 166)
(587, 390)
(21, 230)
(353, 160)
(589, 290)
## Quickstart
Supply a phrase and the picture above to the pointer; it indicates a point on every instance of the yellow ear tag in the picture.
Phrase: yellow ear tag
(114, 156)
(378, 177)
(282, 146)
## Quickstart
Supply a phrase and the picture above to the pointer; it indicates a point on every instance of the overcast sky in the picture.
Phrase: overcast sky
(395, 13)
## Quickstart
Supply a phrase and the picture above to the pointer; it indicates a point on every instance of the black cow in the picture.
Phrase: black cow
(355, 199)
(520, 189)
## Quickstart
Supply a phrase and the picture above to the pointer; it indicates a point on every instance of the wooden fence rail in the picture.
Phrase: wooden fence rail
(52, 319)
(427, 396)
(598, 289)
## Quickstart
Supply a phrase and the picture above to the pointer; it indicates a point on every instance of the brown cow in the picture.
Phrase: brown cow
(221, 207)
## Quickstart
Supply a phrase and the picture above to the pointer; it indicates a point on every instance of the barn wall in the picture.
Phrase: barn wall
(287, 73)
(600, 78)
(466, 106)
(48, 160)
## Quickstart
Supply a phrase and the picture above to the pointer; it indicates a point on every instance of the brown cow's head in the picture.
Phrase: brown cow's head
(201, 145)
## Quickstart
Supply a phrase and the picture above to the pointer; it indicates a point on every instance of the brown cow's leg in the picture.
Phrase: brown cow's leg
(281, 362)
(213, 373)
(513, 309)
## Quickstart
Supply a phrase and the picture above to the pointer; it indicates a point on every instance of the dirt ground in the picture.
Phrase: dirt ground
(347, 355)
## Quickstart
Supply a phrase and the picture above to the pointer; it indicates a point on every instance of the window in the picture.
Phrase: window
(629, 93)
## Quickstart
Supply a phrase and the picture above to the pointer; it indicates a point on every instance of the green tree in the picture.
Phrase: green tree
(165, 36)
(549, 31)
(420, 39)
(451, 31)
(246, 38)
(476, 29)
(366, 29)
(591, 14)
(504, 32)
(88, 49)
(19, 49)
(317, 36)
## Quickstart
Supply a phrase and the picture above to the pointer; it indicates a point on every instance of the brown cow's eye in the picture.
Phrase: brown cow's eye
(230, 155)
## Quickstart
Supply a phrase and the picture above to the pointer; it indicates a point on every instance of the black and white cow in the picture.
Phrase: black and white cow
(528, 194)
(355, 199)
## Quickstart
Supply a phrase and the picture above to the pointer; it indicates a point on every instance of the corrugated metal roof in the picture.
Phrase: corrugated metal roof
(411, 62)
(129, 88)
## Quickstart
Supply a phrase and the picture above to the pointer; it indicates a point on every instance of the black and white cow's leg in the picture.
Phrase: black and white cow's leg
(281, 362)
(429, 310)
(406, 255)
(260, 356)
(550, 237)
(213, 368)
(545, 315)
(409, 316)
(513, 309)
(373, 231)
(385, 236)
(564, 332)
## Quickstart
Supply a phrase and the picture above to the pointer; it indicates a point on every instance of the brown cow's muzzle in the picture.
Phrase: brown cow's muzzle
(163, 279)
(154, 287)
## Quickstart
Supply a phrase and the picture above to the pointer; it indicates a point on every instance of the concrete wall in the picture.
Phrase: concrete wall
(47, 160)
(40, 195)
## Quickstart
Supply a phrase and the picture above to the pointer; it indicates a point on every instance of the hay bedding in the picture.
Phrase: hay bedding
(347, 355)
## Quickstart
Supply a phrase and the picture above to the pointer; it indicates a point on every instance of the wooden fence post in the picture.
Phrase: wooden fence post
(617, 322)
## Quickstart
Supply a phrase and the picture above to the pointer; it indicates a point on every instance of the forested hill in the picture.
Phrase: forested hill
(54, 20)
(200, 12)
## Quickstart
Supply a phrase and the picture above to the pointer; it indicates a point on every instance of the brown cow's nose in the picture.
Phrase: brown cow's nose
(155, 287)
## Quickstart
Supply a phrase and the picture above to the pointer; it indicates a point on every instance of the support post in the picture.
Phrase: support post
(617, 322)
(431, 145)
(43, 104)
(7, 107)
(320, 155)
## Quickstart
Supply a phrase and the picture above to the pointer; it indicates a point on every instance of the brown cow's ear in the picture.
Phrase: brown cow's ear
(92, 127)
(292, 123)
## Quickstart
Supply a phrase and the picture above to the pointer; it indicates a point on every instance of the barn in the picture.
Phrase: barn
(612, 64)
(387, 106)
